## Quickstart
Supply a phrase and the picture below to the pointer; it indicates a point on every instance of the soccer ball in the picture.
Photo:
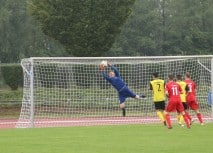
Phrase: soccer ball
(104, 63)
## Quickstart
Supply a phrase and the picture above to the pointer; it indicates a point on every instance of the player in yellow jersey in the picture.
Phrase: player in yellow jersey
(184, 88)
(158, 87)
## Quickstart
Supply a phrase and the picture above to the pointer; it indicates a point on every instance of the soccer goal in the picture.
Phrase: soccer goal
(71, 91)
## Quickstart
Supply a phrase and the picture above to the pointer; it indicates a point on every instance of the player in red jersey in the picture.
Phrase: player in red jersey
(173, 91)
(191, 97)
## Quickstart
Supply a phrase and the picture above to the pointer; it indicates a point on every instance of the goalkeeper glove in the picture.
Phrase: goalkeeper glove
(108, 64)
(101, 67)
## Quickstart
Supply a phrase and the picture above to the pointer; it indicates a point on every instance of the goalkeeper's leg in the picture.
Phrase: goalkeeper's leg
(122, 99)
(122, 107)
(140, 97)
(124, 112)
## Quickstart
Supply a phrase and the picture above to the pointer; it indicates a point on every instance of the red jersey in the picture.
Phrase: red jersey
(174, 90)
(191, 93)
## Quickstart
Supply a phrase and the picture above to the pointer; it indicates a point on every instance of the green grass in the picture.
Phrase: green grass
(12, 95)
(109, 139)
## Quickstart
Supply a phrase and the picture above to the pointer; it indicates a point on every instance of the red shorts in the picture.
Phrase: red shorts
(174, 106)
(193, 104)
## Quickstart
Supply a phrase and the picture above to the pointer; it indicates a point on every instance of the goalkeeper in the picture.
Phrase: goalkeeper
(115, 80)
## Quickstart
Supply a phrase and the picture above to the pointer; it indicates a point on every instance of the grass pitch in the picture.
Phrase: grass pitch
(109, 139)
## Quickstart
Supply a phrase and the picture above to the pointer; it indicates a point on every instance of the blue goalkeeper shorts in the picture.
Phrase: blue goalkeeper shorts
(125, 93)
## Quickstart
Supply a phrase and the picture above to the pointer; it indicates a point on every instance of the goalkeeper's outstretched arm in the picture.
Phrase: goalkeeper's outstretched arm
(103, 72)
(117, 74)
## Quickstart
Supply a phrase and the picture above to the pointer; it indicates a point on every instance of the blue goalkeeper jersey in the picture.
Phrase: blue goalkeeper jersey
(116, 81)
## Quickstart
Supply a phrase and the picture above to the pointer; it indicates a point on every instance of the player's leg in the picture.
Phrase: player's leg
(186, 107)
(189, 116)
(160, 107)
(169, 108)
(161, 115)
(128, 93)
(195, 107)
(122, 107)
(180, 108)
(180, 119)
(140, 97)
(168, 120)
(122, 104)
(180, 116)
(186, 119)
(189, 105)
(199, 116)
(122, 99)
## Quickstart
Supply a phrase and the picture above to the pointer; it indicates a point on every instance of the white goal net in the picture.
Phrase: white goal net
(72, 92)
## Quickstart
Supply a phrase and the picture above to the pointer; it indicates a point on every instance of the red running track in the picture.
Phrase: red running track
(11, 123)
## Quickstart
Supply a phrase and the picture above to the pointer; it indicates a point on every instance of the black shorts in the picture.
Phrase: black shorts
(185, 105)
(160, 105)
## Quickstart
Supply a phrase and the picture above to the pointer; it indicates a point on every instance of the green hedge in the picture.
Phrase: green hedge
(12, 75)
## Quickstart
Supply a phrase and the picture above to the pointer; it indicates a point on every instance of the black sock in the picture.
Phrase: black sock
(124, 112)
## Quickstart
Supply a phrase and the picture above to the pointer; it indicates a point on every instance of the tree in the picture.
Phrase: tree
(84, 27)
(189, 31)
(167, 27)
(142, 32)
(19, 35)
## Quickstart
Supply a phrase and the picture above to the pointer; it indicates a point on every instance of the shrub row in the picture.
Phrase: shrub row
(12, 75)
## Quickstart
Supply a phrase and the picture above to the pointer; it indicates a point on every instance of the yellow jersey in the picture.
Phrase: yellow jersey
(183, 87)
(158, 88)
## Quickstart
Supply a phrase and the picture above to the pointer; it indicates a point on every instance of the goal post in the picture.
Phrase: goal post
(211, 91)
(70, 91)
